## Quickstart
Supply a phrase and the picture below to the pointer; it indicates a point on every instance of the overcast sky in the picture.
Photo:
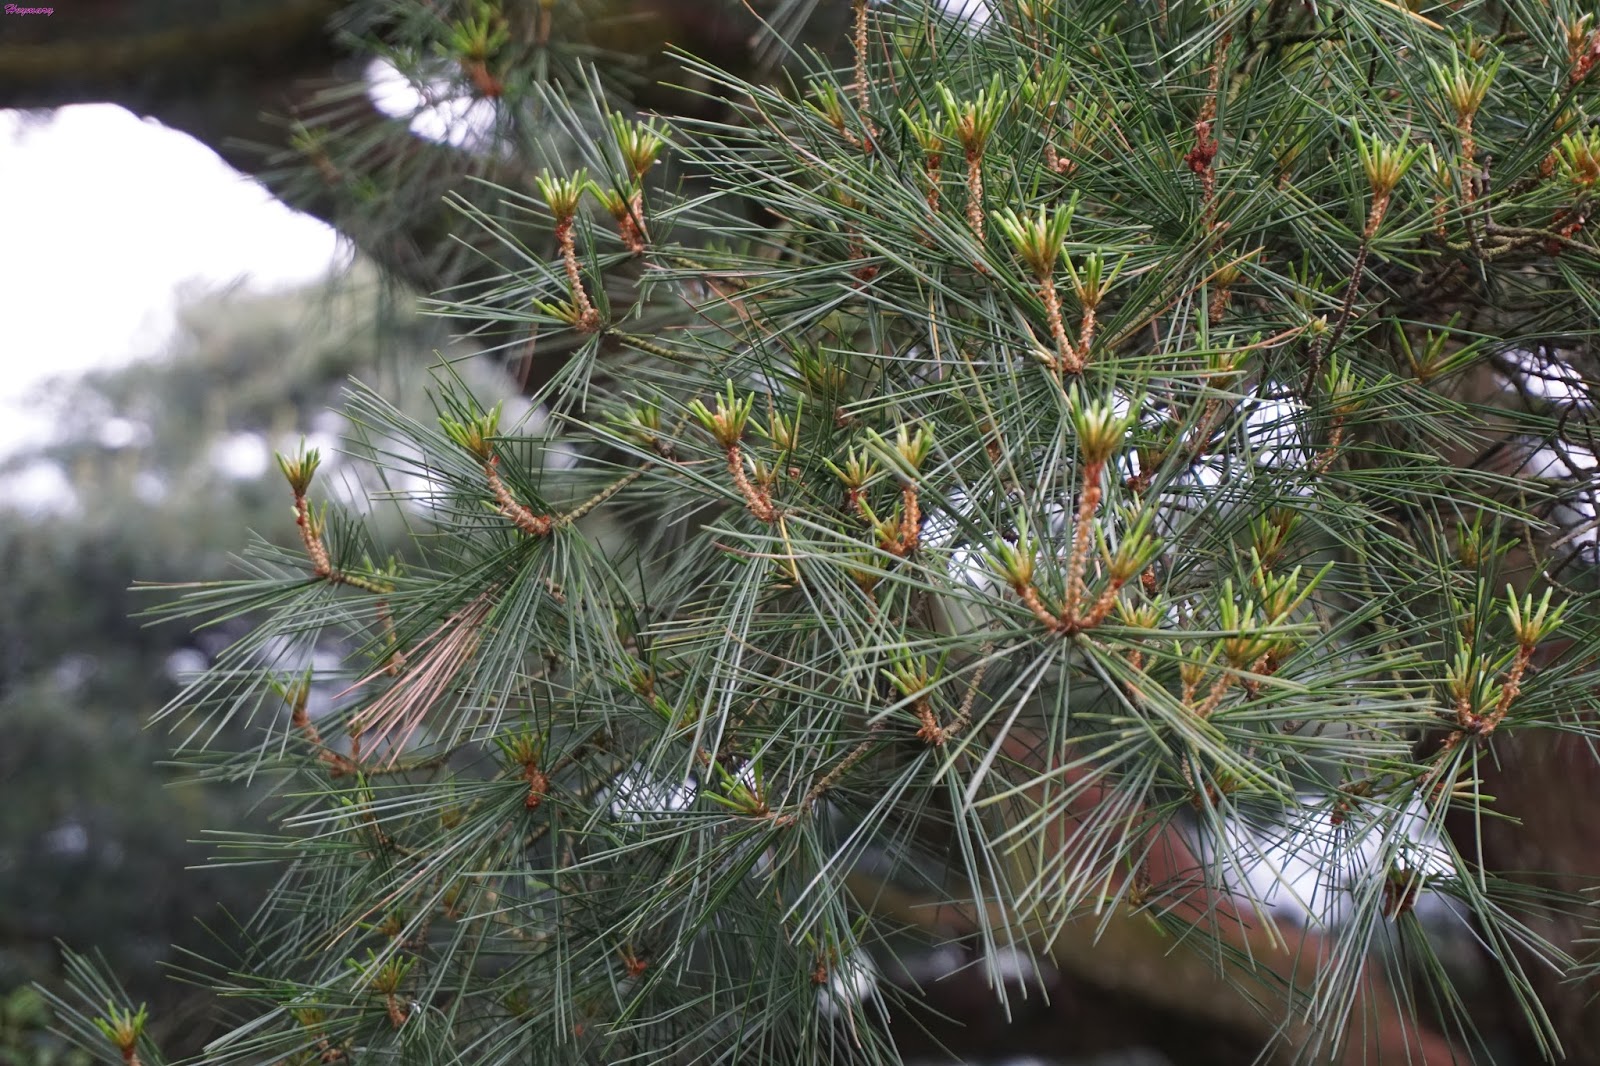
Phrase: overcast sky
(104, 217)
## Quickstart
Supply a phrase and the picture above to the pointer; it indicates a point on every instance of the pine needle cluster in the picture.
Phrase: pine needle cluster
(1029, 502)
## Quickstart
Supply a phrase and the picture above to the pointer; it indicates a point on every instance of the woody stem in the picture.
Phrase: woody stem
(524, 519)
(588, 317)
(756, 499)
(1218, 688)
(311, 537)
(863, 101)
(1088, 502)
(1067, 356)
(975, 191)
(1030, 599)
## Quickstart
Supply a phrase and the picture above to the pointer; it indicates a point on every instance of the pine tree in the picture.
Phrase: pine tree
(1078, 484)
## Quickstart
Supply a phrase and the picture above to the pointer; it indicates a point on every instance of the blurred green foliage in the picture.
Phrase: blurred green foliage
(25, 1039)
(163, 464)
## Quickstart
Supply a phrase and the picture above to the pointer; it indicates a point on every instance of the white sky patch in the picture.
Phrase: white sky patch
(106, 215)
(1304, 872)
(240, 456)
(149, 486)
(1571, 459)
(39, 488)
(72, 672)
(184, 664)
(1550, 377)
(69, 839)
(850, 981)
(461, 121)
(117, 433)
(1272, 428)
(974, 11)
(639, 792)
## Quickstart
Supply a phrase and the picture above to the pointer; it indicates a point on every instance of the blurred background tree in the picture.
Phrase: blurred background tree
(156, 471)
(350, 113)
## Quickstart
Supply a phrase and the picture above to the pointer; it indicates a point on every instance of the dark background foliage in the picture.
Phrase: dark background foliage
(167, 469)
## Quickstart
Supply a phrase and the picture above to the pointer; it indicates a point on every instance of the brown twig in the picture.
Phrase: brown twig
(1202, 157)
(863, 98)
(1380, 207)
(538, 785)
(1078, 562)
(929, 731)
(531, 524)
(1103, 605)
(1219, 688)
(588, 319)
(975, 212)
(1069, 359)
(1031, 600)
(757, 499)
(338, 765)
(844, 766)
(311, 537)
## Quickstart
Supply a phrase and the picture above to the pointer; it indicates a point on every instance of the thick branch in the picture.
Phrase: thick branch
(144, 53)
(231, 81)
(261, 86)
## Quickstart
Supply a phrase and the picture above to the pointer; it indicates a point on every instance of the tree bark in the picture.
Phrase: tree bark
(273, 87)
